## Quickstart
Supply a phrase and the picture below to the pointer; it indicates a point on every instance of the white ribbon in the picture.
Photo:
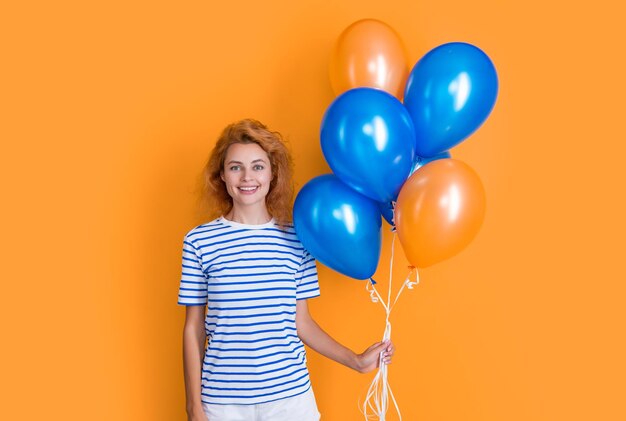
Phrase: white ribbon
(377, 400)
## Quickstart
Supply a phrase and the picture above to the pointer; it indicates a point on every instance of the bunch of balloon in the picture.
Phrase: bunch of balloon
(392, 159)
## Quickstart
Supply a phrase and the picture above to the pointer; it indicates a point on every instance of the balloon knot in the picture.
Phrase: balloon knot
(410, 284)
(371, 290)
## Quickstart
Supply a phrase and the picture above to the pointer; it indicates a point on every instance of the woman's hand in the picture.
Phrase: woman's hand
(312, 335)
(369, 359)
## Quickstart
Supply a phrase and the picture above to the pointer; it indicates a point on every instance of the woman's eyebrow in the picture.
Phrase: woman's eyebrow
(233, 161)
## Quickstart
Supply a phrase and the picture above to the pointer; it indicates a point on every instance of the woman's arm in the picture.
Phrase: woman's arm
(194, 339)
(312, 335)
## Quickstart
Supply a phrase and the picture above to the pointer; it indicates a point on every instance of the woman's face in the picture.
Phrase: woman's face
(247, 174)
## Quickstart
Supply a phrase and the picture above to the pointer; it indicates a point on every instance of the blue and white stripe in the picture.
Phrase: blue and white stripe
(251, 277)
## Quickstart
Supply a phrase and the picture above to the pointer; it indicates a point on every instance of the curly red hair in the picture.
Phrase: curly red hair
(279, 200)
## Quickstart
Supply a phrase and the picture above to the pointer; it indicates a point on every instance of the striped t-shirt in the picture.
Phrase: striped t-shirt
(251, 277)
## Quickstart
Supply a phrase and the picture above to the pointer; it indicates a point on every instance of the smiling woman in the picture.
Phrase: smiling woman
(247, 175)
(245, 282)
(255, 142)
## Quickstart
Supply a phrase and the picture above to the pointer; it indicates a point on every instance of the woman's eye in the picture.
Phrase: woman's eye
(259, 167)
(234, 168)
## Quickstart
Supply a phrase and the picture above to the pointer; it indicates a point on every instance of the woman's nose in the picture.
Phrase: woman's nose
(245, 175)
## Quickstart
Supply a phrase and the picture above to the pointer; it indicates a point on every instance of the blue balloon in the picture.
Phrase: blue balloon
(386, 208)
(449, 94)
(368, 141)
(338, 226)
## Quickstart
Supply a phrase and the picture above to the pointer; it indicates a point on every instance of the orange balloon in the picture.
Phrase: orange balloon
(369, 53)
(439, 211)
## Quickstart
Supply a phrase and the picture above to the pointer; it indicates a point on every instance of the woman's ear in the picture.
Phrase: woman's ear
(222, 176)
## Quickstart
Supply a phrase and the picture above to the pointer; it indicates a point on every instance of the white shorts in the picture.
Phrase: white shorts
(301, 407)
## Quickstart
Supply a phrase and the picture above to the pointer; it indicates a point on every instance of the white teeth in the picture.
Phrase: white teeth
(247, 188)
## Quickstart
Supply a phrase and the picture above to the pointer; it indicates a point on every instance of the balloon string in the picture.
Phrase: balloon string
(377, 399)
(408, 284)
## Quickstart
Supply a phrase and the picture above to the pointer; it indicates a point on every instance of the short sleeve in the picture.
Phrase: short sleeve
(307, 285)
(193, 282)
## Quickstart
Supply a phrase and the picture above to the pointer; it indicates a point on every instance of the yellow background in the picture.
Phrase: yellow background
(109, 110)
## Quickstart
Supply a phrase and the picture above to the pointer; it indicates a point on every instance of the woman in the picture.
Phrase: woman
(256, 277)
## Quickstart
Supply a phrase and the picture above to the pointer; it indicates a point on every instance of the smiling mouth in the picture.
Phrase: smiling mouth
(248, 189)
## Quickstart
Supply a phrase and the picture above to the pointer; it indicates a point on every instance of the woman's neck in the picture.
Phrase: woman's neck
(249, 216)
